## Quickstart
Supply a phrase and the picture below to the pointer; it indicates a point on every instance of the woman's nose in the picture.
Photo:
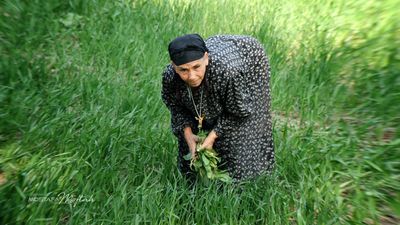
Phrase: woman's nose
(191, 75)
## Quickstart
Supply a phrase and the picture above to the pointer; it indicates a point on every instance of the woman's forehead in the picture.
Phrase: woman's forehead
(191, 64)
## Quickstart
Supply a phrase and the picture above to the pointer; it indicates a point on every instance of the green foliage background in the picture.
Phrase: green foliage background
(81, 112)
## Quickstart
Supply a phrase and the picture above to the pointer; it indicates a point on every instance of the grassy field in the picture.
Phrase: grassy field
(85, 137)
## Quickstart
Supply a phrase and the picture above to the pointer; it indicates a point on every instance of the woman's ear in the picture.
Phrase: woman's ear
(206, 58)
(173, 65)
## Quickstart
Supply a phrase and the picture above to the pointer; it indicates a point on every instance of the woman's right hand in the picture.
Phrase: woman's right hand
(191, 140)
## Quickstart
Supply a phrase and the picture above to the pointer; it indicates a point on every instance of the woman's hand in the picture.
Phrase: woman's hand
(209, 141)
(191, 140)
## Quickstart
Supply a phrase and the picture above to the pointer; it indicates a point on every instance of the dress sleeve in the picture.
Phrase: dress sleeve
(238, 103)
(180, 117)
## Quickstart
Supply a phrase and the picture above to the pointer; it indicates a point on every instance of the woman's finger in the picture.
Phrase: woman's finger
(206, 145)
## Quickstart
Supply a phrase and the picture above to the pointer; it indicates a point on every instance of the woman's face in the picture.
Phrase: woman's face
(192, 73)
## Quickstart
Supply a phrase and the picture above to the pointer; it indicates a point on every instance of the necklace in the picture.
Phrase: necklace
(200, 117)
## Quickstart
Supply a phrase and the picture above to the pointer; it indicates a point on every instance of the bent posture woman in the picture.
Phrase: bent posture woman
(221, 85)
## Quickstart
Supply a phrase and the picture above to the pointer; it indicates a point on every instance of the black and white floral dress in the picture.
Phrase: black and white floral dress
(236, 103)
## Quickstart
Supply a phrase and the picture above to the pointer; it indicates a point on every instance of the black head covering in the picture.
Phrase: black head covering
(186, 48)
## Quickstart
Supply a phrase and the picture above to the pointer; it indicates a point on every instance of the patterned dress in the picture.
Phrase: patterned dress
(236, 103)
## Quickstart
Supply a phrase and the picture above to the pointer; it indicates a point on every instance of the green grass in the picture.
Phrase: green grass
(81, 112)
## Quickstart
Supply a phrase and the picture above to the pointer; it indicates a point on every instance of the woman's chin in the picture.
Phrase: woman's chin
(194, 84)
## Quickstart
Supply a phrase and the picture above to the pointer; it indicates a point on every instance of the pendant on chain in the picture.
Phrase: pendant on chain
(200, 116)
(200, 120)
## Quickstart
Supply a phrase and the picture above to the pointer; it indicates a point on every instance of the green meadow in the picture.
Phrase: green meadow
(86, 139)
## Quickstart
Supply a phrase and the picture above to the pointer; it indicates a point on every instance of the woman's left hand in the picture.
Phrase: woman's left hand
(209, 141)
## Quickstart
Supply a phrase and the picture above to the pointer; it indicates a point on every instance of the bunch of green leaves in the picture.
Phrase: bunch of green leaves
(205, 162)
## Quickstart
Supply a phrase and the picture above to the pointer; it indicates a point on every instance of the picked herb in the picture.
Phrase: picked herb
(205, 163)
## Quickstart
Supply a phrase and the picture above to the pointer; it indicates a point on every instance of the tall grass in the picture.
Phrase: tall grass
(81, 113)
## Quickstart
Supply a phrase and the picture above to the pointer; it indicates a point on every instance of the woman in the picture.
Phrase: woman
(221, 85)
